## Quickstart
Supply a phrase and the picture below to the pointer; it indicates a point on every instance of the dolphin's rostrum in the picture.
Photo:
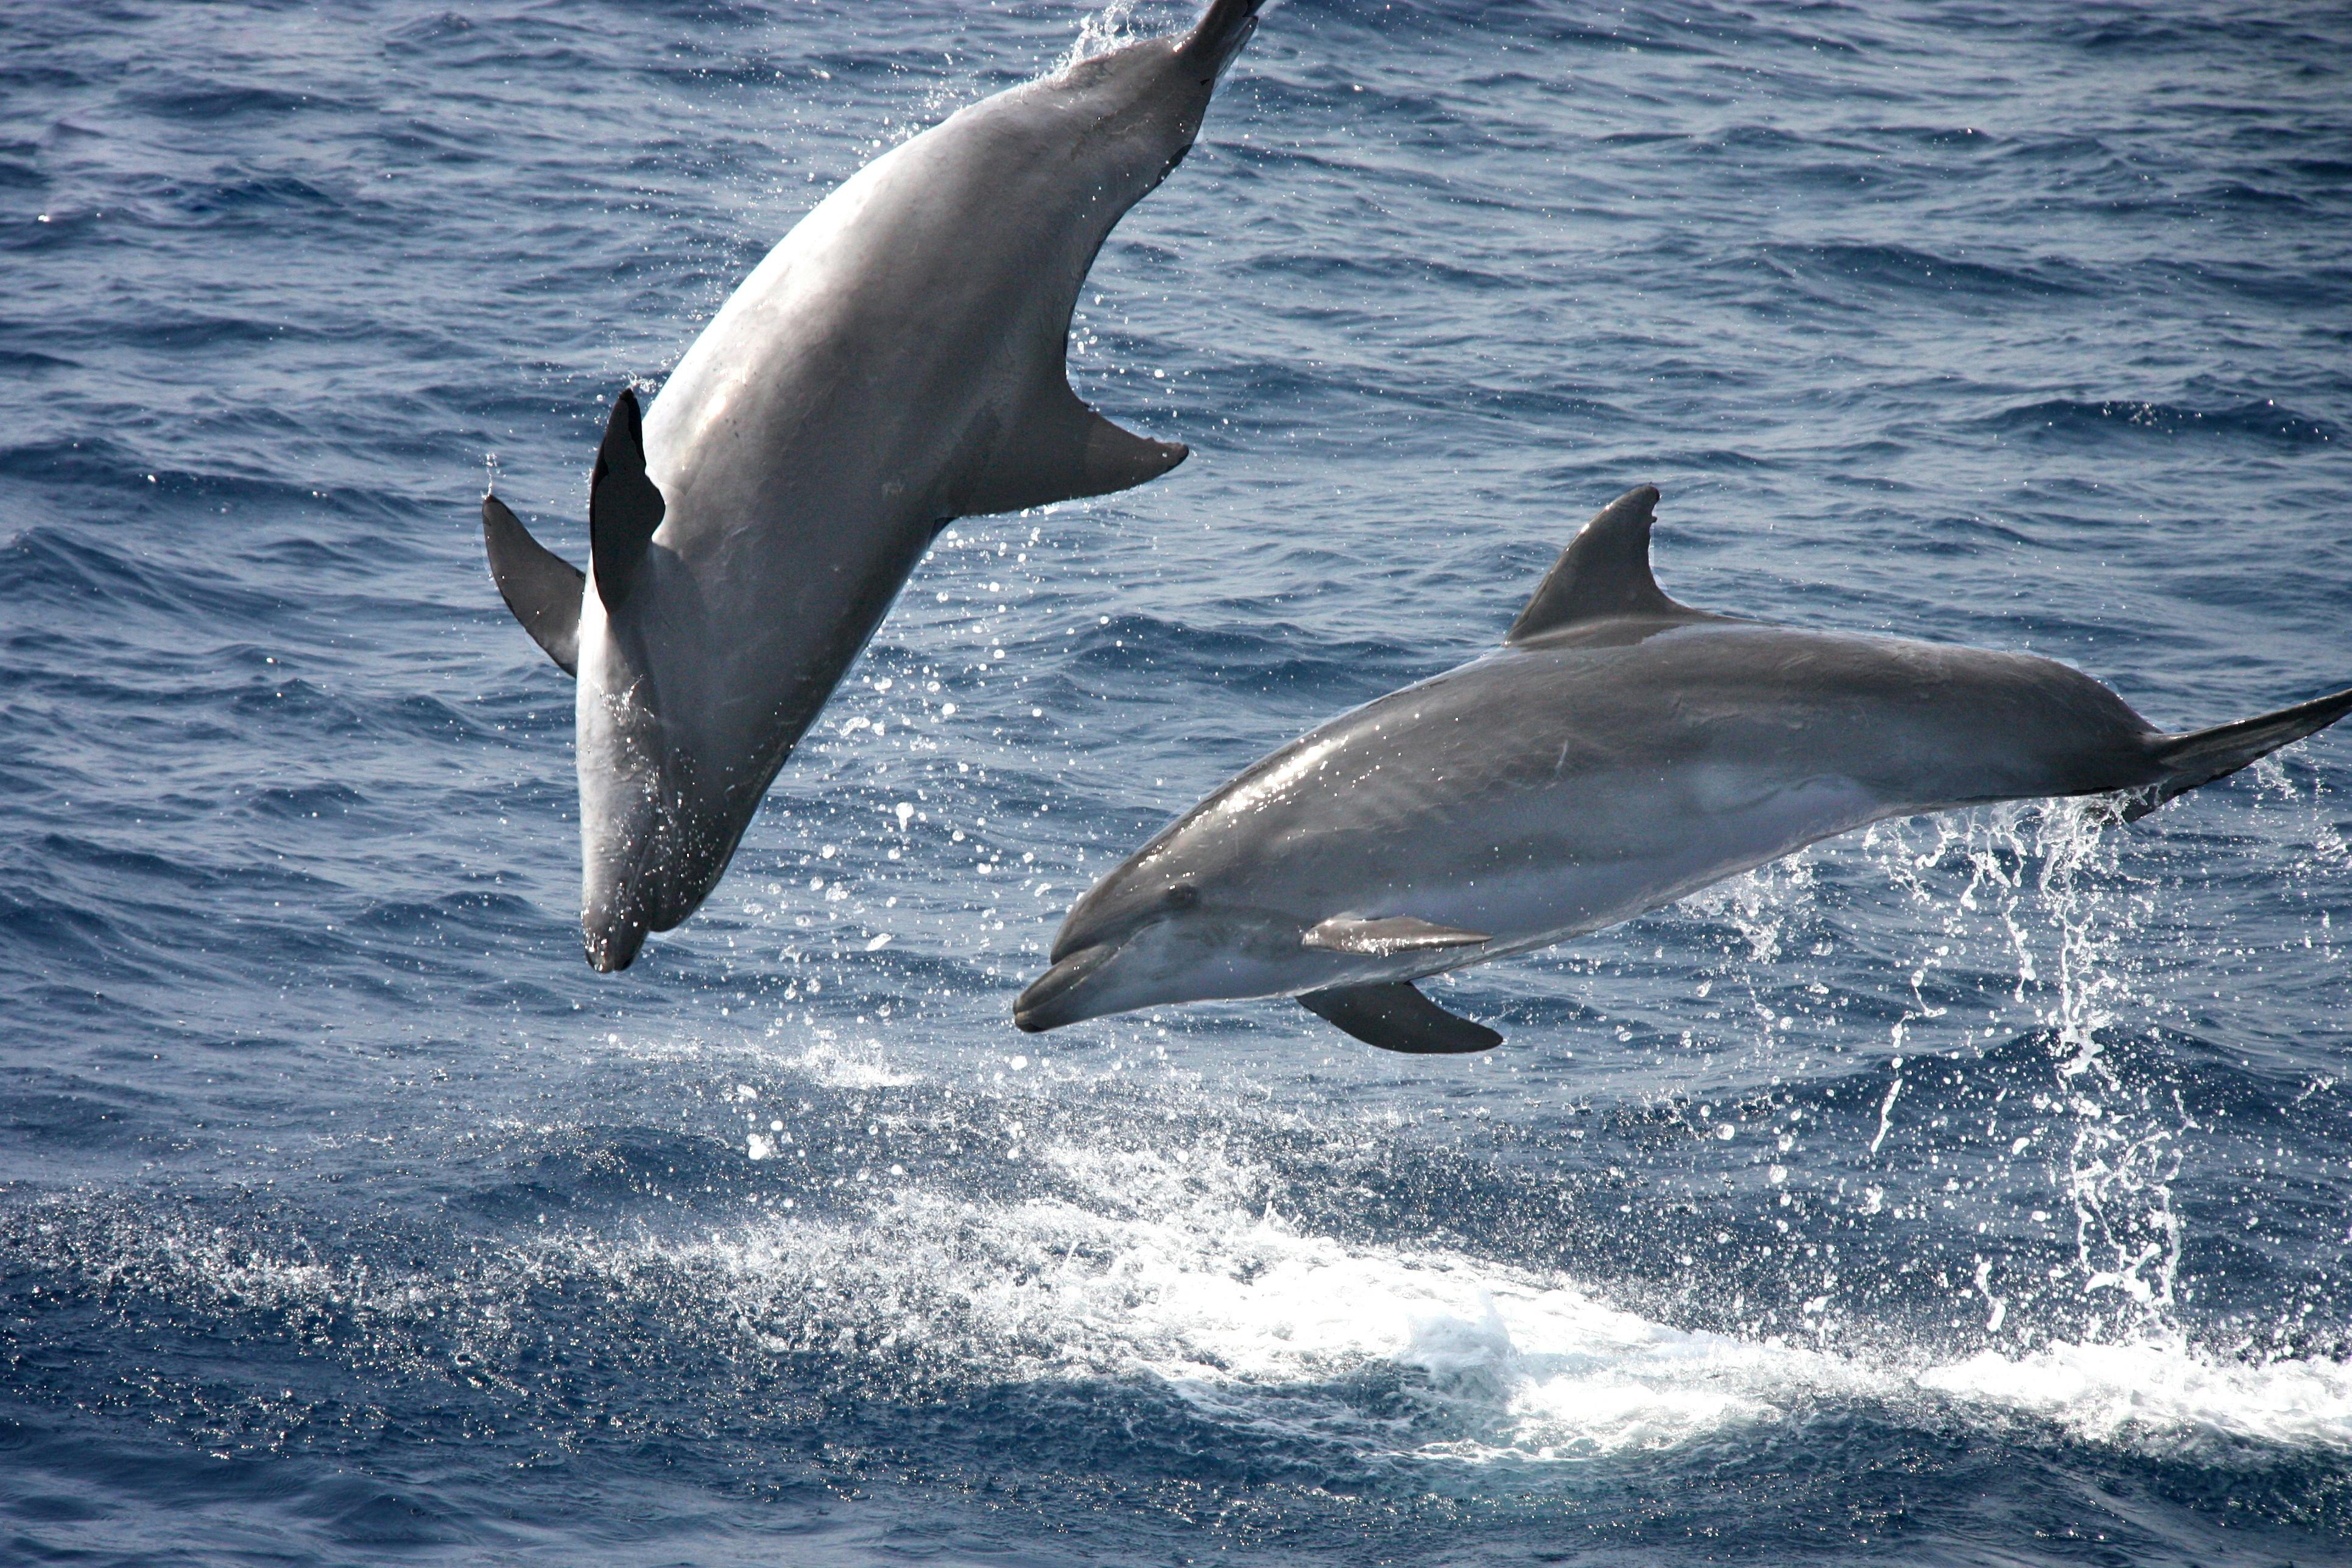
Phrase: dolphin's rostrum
(895, 363)
(1619, 751)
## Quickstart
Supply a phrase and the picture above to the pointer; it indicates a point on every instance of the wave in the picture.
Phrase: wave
(209, 102)
(1911, 269)
(2072, 420)
(1178, 1270)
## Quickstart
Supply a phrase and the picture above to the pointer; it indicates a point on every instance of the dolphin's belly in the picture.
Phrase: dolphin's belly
(1573, 882)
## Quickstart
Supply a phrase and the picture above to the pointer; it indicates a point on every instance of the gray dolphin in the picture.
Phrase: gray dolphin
(895, 363)
(1617, 752)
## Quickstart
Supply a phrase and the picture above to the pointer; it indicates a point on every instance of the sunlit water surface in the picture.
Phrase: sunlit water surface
(1972, 1191)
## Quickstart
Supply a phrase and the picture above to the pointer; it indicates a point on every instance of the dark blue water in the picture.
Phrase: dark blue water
(1969, 1192)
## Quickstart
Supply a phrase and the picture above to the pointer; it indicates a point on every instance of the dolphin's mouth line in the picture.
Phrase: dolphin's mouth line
(1035, 1009)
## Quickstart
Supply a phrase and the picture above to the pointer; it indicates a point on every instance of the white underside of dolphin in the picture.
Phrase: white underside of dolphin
(896, 361)
(1617, 752)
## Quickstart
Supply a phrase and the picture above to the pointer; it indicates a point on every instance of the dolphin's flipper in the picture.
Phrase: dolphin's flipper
(1603, 574)
(540, 587)
(1395, 1016)
(1381, 938)
(625, 508)
(1059, 449)
(2205, 755)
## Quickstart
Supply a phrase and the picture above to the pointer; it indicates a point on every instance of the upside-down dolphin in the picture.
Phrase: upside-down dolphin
(1617, 752)
(895, 363)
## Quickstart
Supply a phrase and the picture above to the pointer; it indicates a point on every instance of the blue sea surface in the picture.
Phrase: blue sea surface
(1970, 1191)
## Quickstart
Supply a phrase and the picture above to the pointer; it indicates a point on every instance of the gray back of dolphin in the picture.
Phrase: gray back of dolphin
(1619, 751)
(894, 363)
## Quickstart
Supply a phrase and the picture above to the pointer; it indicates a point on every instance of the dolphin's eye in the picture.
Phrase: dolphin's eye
(1184, 895)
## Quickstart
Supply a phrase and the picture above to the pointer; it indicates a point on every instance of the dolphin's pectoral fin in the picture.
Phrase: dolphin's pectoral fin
(624, 507)
(1059, 449)
(1603, 574)
(1395, 1016)
(540, 587)
(1118, 459)
(1381, 938)
(2205, 755)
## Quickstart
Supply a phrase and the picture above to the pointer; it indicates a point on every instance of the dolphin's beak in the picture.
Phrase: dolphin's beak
(1053, 999)
(615, 947)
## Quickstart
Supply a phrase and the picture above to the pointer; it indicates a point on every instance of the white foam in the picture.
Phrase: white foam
(1171, 1264)
(2155, 1393)
(1174, 1268)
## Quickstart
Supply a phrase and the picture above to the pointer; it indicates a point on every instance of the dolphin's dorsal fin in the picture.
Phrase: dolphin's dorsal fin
(1384, 938)
(1395, 1016)
(624, 507)
(1603, 574)
(1057, 449)
(540, 587)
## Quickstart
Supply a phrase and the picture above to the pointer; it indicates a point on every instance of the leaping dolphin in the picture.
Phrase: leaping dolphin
(895, 363)
(1617, 752)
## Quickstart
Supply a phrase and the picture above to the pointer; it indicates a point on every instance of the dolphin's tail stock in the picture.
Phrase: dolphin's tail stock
(1220, 36)
(2204, 755)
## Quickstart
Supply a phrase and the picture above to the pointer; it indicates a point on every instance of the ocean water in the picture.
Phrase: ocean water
(1969, 1191)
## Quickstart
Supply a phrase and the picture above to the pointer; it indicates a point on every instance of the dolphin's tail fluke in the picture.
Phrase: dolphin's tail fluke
(2203, 755)
(1220, 36)
(540, 587)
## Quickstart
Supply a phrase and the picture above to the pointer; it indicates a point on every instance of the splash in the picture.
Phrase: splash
(1171, 1265)
(2053, 879)
(1178, 1266)
(1115, 26)
(834, 1063)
